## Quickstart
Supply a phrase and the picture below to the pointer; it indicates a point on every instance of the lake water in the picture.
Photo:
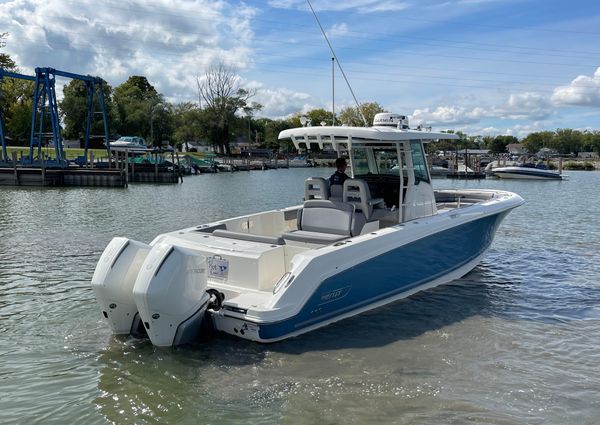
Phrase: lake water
(514, 342)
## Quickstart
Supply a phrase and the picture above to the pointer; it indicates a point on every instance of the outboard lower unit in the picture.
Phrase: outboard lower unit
(170, 294)
(113, 282)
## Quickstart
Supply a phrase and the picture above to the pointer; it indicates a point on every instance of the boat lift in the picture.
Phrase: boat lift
(44, 102)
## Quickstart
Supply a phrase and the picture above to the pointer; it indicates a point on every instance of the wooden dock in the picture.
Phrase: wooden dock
(88, 177)
(24, 176)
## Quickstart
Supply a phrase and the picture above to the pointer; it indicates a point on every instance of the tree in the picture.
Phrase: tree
(592, 141)
(568, 141)
(136, 103)
(73, 109)
(223, 96)
(536, 141)
(187, 119)
(161, 123)
(6, 62)
(499, 143)
(271, 129)
(316, 117)
(16, 101)
(350, 115)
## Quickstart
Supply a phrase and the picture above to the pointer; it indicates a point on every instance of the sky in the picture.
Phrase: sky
(484, 67)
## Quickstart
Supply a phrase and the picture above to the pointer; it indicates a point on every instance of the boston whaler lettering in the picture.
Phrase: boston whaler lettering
(382, 236)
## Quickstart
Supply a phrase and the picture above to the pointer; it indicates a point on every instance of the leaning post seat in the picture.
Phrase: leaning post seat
(357, 193)
(316, 188)
(325, 222)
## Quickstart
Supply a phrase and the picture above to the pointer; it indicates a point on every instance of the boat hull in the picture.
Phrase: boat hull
(422, 264)
(526, 174)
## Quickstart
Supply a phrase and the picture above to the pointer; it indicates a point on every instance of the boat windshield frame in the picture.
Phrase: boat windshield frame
(410, 153)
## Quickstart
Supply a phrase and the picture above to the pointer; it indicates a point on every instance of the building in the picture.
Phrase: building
(516, 149)
(588, 155)
(546, 152)
(195, 146)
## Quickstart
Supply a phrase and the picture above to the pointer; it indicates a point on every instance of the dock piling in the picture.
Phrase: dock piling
(16, 173)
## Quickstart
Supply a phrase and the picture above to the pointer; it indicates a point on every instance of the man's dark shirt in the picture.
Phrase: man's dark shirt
(338, 178)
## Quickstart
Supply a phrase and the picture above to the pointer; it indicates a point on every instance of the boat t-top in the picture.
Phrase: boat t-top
(381, 236)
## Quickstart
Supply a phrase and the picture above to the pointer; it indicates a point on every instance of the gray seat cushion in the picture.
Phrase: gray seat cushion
(326, 217)
(326, 222)
(272, 240)
(313, 237)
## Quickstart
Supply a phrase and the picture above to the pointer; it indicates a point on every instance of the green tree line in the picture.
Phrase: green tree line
(565, 141)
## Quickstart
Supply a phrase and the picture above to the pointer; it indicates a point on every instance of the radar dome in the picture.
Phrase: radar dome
(390, 120)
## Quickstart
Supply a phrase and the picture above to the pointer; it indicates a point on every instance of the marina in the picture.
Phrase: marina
(525, 322)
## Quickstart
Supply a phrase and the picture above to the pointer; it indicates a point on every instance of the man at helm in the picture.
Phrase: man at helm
(340, 176)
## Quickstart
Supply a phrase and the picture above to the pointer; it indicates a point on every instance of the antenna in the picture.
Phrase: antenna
(339, 64)
(333, 91)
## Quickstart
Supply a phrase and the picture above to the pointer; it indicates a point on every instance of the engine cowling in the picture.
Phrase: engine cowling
(170, 294)
(114, 279)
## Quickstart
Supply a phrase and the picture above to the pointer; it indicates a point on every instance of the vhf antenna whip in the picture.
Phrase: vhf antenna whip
(339, 64)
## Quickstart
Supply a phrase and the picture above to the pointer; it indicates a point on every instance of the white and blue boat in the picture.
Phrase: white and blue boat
(382, 236)
(527, 171)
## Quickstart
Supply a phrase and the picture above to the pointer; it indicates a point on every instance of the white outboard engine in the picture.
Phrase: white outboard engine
(113, 282)
(170, 294)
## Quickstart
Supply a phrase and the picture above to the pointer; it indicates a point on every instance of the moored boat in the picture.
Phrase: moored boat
(527, 171)
(381, 236)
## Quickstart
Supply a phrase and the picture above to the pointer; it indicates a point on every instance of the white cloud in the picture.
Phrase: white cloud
(337, 30)
(582, 91)
(361, 6)
(445, 115)
(518, 106)
(115, 40)
(526, 105)
(282, 102)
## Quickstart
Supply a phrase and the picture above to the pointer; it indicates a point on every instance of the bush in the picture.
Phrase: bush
(575, 165)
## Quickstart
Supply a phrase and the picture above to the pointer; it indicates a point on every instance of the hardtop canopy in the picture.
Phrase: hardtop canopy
(348, 136)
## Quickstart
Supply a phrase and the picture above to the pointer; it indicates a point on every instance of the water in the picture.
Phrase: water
(514, 342)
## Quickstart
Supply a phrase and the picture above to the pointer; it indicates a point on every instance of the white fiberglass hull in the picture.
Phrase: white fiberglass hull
(526, 173)
(273, 291)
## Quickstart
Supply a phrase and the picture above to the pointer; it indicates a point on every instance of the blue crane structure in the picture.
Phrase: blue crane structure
(44, 103)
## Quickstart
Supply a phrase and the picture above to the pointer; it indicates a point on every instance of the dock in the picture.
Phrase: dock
(115, 172)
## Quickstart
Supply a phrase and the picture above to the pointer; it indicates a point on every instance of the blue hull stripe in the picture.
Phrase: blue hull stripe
(390, 274)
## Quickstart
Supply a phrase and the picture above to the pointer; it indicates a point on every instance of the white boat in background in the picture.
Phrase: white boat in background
(130, 144)
(300, 162)
(527, 171)
(382, 236)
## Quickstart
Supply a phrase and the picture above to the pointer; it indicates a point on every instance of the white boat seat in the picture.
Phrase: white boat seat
(357, 193)
(336, 193)
(272, 240)
(316, 188)
(325, 222)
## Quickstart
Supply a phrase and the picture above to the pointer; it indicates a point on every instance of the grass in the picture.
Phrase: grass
(70, 153)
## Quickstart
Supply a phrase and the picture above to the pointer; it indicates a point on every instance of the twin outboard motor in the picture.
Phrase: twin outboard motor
(113, 282)
(163, 287)
(170, 293)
